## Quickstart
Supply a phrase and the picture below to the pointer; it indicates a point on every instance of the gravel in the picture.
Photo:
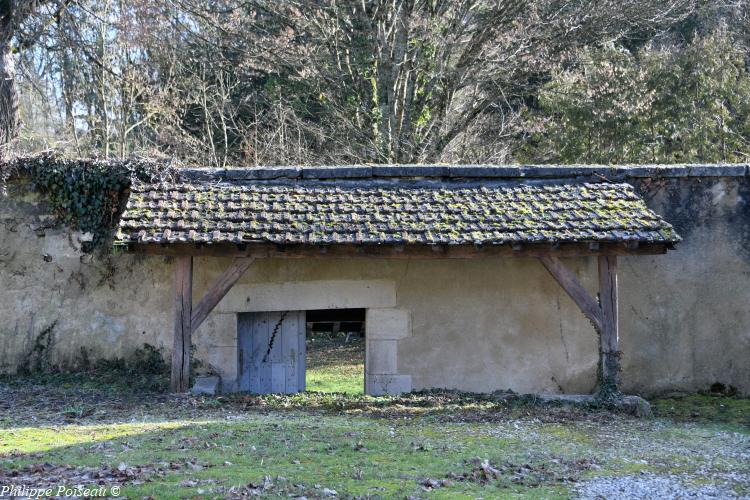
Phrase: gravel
(649, 486)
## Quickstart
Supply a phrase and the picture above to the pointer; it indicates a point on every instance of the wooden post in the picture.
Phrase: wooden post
(603, 315)
(609, 339)
(183, 305)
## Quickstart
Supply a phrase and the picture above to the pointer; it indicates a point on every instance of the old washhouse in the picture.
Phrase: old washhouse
(329, 217)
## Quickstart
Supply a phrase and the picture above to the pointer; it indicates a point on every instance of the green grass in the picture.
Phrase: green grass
(351, 456)
(425, 445)
(183, 447)
(705, 408)
(335, 366)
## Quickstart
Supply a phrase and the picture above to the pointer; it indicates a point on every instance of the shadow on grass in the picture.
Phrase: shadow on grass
(61, 398)
(274, 453)
(108, 395)
(73, 426)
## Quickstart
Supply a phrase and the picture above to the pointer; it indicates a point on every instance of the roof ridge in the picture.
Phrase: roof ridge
(468, 171)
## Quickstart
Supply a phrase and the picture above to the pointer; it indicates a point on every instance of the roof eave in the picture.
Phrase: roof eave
(400, 251)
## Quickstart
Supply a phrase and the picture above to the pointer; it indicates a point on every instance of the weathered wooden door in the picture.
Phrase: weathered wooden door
(272, 352)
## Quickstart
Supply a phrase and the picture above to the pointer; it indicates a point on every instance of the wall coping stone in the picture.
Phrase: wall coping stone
(472, 172)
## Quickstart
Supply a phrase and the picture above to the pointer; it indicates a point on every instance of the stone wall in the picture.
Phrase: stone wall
(479, 325)
(56, 301)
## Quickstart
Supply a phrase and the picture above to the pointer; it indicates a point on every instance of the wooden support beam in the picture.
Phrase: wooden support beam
(188, 320)
(603, 315)
(183, 304)
(569, 282)
(610, 339)
(217, 292)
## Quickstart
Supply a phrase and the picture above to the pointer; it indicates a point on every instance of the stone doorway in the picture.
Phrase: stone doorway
(336, 350)
(386, 325)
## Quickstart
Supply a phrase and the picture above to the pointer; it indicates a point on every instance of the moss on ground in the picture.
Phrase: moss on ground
(708, 408)
(427, 445)
(116, 423)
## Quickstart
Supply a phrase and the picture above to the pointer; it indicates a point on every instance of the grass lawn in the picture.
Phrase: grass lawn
(75, 430)
(335, 366)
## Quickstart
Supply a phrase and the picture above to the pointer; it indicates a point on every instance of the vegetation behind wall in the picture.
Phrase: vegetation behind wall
(261, 82)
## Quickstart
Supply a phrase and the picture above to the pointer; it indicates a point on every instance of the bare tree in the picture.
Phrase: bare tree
(223, 82)
(24, 21)
(403, 81)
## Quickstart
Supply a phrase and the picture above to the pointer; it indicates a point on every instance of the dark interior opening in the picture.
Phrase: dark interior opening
(331, 315)
(335, 321)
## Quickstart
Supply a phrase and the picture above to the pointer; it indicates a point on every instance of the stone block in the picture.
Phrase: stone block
(634, 405)
(203, 174)
(661, 171)
(388, 323)
(264, 173)
(380, 385)
(719, 170)
(344, 172)
(411, 171)
(206, 385)
(222, 360)
(567, 398)
(557, 171)
(483, 171)
(381, 356)
(641, 171)
(218, 330)
(306, 295)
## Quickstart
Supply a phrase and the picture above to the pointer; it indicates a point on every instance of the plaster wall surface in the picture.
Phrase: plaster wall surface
(479, 325)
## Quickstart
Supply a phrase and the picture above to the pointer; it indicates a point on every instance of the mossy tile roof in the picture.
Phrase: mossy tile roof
(306, 213)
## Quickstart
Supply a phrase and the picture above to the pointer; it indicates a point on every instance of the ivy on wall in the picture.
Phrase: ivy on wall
(86, 194)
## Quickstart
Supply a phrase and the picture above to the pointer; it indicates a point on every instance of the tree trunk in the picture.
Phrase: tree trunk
(8, 96)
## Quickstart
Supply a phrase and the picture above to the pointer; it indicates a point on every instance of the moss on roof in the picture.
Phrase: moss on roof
(307, 213)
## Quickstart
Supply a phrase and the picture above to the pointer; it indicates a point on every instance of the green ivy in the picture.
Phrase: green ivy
(87, 194)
